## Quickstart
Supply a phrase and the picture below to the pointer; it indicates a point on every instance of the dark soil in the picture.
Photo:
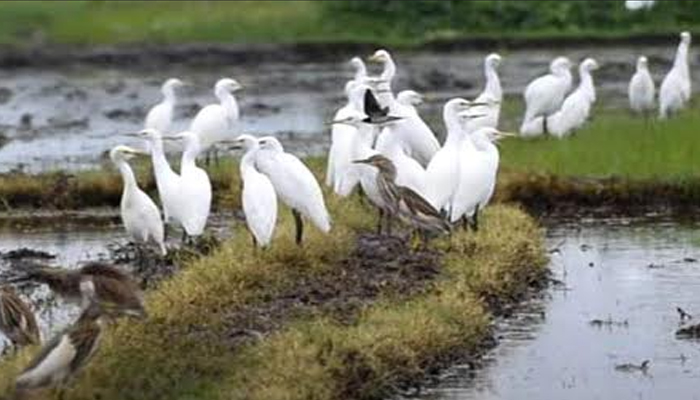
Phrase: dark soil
(378, 266)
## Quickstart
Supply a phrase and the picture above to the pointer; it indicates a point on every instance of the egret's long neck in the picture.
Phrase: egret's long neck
(587, 83)
(453, 126)
(493, 83)
(248, 161)
(161, 167)
(127, 176)
(189, 158)
(681, 60)
(360, 72)
(169, 96)
(228, 101)
(389, 70)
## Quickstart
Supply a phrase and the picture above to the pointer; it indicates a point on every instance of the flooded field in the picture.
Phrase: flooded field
(67, 117)
(618, 284)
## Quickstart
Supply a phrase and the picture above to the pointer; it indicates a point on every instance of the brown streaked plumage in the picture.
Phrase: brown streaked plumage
(98, 281)
(403, 202)
(17, 320)
(66, 354)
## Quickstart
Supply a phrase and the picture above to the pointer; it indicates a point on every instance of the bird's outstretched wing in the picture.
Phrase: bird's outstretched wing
(372, 107)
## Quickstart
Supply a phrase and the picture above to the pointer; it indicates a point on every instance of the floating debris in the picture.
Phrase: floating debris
(689, 332)
(656, 266)
(599, 323)
(683, 314)
(629, 367)
(585, 247)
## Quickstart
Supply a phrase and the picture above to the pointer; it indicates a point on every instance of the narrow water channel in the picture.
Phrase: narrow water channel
(621, 283)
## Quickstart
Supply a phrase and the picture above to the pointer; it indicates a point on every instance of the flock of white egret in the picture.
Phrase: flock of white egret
(456, 179)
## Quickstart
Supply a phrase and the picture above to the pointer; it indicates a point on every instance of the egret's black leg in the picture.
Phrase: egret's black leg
(299, 223)
(544, 125)
(475, 219)
(389, 223)
(380, 222)
(465, 222)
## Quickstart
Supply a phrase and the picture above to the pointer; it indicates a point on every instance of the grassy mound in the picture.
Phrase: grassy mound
(217, 330)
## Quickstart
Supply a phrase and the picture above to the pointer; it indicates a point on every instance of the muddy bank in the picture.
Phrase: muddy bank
(252, 54)
(545, 194)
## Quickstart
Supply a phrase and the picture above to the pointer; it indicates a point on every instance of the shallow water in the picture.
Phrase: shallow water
(74, 114)
(552, 349)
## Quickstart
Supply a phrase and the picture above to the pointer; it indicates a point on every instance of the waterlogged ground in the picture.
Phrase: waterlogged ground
(621, 281)
(68, 117)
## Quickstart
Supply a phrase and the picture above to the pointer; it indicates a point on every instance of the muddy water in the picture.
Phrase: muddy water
(68, 117)
(622, 281)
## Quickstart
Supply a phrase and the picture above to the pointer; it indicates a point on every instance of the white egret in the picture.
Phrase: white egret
(577, 106)
(341, 137)
(140, 215)
(160, 116)
(492, 93)
(294, 183)
(410, 99)
(675, 89)
(478, 170)
(409, 172)
(382, 83)
(360, 69)
(417, 138)
(544, 95)
(258, 196)
(218, 122)
(442, 174)
(167, 180)
(641, 89)
(195, 186)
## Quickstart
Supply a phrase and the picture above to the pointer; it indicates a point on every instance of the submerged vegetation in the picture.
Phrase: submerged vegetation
(393, 22)
(320, 321)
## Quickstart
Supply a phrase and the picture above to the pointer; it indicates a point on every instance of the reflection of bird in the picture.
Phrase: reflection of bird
(140, 215)
(65, 355)
(641, 89)
(160, 116)
(674, 92)
(544, 95)
(294, 183)
(17, 321)
(577, 107)
(258, 196)
(195, 187)
(94, 280)
(403, 202)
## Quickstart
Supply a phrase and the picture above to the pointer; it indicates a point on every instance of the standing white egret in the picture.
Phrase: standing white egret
(160, 116)
(258, 196)
(140, 215)
(294, 183)
(544, 95)
(675, 88)
(417, 138)
(442, 174)
(478, 170)
(341, 137)
(577, 106)
(409, 172)
(167, 180)
(641, 89)
(492, 93)
(195, 187)
(218, 122)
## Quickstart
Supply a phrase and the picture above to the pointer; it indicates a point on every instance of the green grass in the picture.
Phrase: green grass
(615, 144)
(119, 22)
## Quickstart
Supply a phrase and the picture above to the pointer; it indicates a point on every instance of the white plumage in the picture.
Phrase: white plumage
(418, 140)
(410, 99)
(478, 169)
(492, 94)
(544, 95)
(195, 187)
(442, 173)
(160, 116)
(218, 122)
(140, 215)
(642, 90)
(409, 172)
(167, 180)
(675, 89)
(577, 106)
(258, 197)
(53, 369)
(293, 182)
